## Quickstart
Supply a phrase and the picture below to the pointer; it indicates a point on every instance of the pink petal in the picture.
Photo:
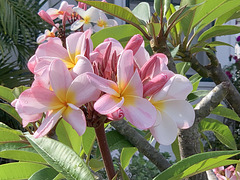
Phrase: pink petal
(75, 43)
(53, 13)
(32, 63)
(76, 119)
(46, 17)
(141, 56)
(83, 65)
(107, 104)
(180, 111)
(134, 43)
(116, 115)
(102, 84)
(38, 99)
(134, 87)
(139, 112)
(60, 79)
(125, 69)
(49, 122)
(81, 91)
(165, 132)
(177, 87)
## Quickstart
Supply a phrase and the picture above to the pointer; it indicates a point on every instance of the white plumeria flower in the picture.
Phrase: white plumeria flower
(47, 34)
(89, 16)
(104, 22)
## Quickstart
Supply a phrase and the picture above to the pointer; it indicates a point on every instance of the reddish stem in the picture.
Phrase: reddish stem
(106, 155)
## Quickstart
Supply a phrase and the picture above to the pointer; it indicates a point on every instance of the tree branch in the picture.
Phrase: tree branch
(142, 144)
(189, 147)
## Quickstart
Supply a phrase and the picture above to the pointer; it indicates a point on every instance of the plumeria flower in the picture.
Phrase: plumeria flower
(103, 22)
(126, 94)
(226, 174)
(87, 17)
(48, 34)
(64, 100)
(173, 111)
(58, 13)
(78, 46)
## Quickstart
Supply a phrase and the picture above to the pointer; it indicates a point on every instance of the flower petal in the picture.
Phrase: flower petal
(60, 79)
(125, 69)
(177, 87)
(139, 112)
(38, 99)
(83, 65)
(75, 43)
(81, 91)
(165, 132)
(107, 104)
(76, 25)
(76, 119)
(180, 111)
(102, 84)
(134, 87)
(48, 123)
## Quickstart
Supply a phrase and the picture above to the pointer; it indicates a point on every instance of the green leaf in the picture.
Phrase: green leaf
(19, 170)
(226, 112)
(123, 173)
(196, 164)
(219, 30)
(164, 3)
(212, 10)
(46, 173)
(59, 177)
(11, 111)
(114, 10)
(221, 131)
(18, 90)
(121, 33)
(175, 149)
(142, 11)
(177, 28)
(96, 164)
(195, 79)
(218, 43)
(116, 140)
(8, 135)
(174, 51)
(6, 94)
(183, 67)
(195, 95)
(233, 14)
(61, 157)
(126, 156)
(153, 29)
(88, 139)
(68, 136)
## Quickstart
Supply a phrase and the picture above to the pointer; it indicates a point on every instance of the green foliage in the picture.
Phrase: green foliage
(46, 173)
(183, 67)
(165, 4)
(61, 157)
(88, 140)
(142, 12)
(226, 112)
(196, 95)
(6, 94)
(19, 170)
(196, 164)
(126, 156)
(221, 131)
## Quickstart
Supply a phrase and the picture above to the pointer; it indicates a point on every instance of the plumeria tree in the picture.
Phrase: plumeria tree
(94, 80)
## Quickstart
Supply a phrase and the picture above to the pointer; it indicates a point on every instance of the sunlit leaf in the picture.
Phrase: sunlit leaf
(6, 94)
(142, 11)
(46, 173)
(126, 156)
(226, 112)
(183, 67)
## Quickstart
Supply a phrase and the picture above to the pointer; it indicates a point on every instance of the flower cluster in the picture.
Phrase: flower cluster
(80, 84)
(226, 174)
(80, 18)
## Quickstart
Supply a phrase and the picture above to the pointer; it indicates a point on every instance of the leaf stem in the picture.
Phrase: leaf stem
(104, 149)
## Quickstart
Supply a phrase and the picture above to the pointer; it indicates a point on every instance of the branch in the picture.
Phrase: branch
(218, 75)
(141, 143)
(189, 138)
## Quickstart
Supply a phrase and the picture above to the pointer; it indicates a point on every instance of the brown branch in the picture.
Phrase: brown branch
(142, 144)
(189, 138)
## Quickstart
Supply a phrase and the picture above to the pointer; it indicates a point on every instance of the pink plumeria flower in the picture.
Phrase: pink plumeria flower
(103, 22)
(126, 94)
(64, 100)
(78, 44)
(87, 17)
(173, 111)
(58, 13)
(226, 174)
(48, 34)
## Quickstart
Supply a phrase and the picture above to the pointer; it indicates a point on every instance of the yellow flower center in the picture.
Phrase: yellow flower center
(102, 23)
(87, 20)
